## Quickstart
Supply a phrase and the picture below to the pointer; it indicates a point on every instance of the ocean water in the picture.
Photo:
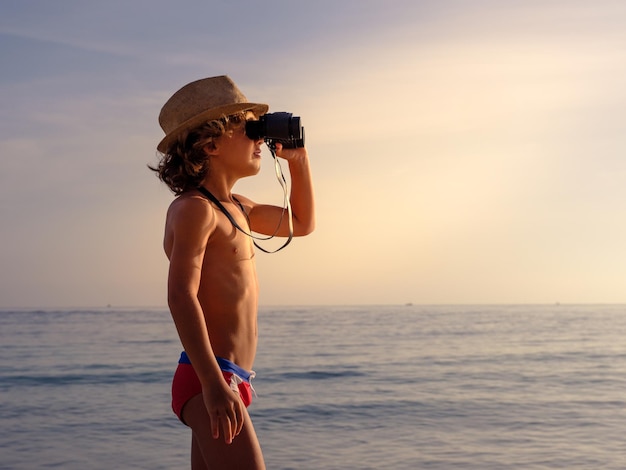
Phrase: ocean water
(364, 387)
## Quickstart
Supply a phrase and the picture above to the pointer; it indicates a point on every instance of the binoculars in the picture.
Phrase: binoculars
(284, 128)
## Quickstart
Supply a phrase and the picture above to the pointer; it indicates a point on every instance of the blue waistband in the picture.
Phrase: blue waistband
(225, 365)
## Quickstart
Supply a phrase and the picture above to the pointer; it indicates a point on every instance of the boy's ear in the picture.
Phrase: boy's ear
(210, 149)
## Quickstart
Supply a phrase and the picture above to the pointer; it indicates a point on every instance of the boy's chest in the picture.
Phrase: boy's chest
(227, 239)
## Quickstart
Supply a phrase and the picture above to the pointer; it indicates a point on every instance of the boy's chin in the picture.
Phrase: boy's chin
(253, 172)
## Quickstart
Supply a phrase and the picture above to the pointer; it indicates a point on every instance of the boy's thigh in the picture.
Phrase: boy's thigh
(245, 450)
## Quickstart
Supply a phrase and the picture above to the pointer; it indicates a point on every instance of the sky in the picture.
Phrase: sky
(463, 151)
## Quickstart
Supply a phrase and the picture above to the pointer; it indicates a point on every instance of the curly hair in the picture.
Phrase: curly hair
(185, 165)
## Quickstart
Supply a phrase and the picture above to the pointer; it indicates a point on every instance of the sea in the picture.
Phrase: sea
(339, 387)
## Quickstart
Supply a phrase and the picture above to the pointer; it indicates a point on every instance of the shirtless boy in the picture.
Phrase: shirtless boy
(212, 281)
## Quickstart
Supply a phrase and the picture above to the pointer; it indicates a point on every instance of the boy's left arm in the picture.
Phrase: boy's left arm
(265, 218)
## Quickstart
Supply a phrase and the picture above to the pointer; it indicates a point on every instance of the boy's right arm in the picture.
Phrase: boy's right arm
(190, 223)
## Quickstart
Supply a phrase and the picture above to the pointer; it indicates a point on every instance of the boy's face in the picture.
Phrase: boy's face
(239, 152)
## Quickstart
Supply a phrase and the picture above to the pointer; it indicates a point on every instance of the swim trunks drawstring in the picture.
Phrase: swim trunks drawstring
(235, 380)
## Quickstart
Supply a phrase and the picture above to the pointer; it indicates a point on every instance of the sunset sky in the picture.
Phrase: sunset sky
(463, 151)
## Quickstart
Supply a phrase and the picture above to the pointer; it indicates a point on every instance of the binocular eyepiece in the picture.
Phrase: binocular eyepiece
(281, 127)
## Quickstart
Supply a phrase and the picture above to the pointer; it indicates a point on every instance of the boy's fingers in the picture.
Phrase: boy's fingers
(228, 436)
(218, 421)
(229, 421)
(240, 418)
(215, 425)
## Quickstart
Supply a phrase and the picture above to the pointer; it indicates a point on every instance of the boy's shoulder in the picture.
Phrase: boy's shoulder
(190, 205)
(244, 201)
(189, 199)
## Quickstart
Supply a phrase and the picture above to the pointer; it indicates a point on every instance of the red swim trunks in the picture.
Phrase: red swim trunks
(186, 384)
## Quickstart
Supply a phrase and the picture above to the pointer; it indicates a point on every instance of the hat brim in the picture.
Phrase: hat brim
(210, 114)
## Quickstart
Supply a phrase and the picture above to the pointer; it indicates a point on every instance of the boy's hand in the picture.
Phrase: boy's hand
(225, 411)
(290, 154)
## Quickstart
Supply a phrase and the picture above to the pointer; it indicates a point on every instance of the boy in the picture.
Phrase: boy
(212, 282)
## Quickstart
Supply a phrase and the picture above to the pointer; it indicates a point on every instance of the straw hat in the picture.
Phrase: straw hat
(201, 101)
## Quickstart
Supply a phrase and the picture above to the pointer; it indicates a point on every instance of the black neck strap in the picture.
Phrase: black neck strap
(232, 220)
